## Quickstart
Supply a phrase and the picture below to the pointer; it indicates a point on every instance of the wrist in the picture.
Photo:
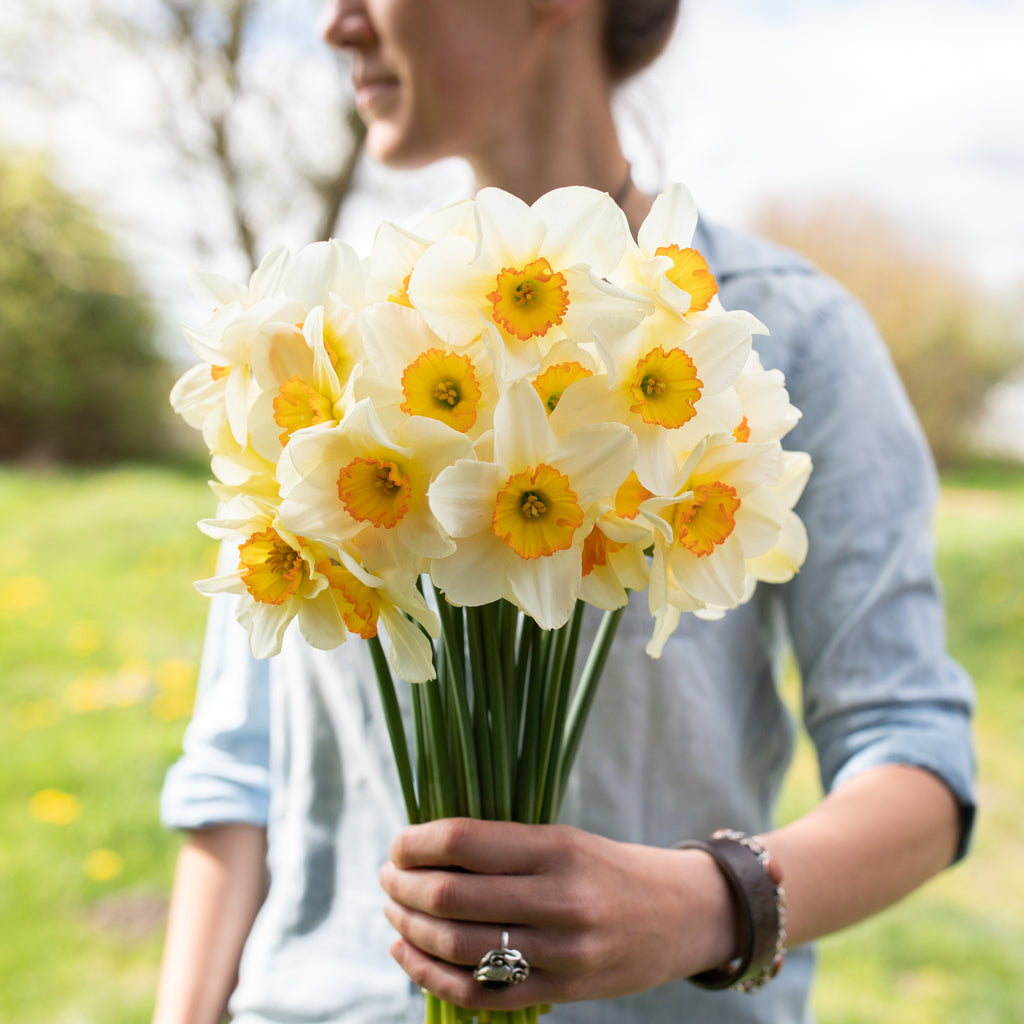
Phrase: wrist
(754, 881)
(706, 914)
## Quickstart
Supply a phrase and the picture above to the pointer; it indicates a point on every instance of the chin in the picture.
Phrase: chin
(400, 150)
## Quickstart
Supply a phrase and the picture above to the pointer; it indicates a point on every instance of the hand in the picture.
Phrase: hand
(594, 918)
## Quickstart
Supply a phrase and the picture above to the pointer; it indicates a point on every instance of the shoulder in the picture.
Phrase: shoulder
(807, 313)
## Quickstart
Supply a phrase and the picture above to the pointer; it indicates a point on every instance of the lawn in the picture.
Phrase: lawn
(100, 631)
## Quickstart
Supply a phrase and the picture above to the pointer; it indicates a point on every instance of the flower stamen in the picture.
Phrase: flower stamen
(537, 512)
(707, 519)
(271, 568)
(443, 386)
(527, 302)
(665, 388)
(374, 491)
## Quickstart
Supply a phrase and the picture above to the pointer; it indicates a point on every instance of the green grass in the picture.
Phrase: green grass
(100, 631)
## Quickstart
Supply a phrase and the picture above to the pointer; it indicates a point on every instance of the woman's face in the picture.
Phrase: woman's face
(434, 78)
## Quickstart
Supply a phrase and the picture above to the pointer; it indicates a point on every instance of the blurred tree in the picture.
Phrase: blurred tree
(950, 339)
(234, 112)
(80, 377)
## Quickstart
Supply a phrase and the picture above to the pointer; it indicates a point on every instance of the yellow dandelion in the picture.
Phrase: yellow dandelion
(102, 865)
(55, 807)
(176, 674)
(22, 594)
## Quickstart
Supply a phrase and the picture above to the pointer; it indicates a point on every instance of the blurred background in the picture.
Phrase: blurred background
(142, 138)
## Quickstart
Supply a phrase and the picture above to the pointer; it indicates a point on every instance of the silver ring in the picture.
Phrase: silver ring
(502, 968)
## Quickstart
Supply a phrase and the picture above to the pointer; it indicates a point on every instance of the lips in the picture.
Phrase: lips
(374, 90)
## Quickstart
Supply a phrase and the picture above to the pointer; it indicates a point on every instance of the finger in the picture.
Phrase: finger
(486, 847)
(463, 942)
(457, 984)
(463, 896)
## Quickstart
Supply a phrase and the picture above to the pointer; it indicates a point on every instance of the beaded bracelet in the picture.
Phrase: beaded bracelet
(755, 882)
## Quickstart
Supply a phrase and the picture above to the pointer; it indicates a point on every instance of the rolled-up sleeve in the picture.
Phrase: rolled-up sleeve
(865, 614)
(223, 774)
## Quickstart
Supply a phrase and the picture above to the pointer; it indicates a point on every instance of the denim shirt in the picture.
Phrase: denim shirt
(674, 748)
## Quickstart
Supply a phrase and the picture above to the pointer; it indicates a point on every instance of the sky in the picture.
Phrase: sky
(916, 106)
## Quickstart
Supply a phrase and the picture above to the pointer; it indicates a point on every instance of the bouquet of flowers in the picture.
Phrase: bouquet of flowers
(461, 441)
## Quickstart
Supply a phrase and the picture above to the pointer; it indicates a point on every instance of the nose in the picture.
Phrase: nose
(346, 24)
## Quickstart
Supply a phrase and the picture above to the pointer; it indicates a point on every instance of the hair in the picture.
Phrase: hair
(635, 33)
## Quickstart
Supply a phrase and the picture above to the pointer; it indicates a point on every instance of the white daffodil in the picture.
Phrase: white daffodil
(281, 294)
(224, 343)
(239, 468)
(396, 251)
(534, 276)
(409, 369)
(564, 364)
(783, 560)
(768, 414)
(724, 514)
(276, 577)
(302, 378)
(364, 600)
(520, 521)
(365, 484)
(671, 383)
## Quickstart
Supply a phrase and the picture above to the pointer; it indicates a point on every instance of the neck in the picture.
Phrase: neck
(568, 141)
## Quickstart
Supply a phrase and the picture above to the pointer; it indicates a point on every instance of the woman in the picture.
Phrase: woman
(604, 909)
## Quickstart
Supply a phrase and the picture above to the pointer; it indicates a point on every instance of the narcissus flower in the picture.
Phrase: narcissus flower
(275, 575)
(365, 600)
(410, 369)
(302, 377)
(768, 414)
(521, 520)
(365, 484)
(724, 515)
(534, 276)
(666, 378)
(396, 251)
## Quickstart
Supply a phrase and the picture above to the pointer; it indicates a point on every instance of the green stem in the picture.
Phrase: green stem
(396, 730)
(559, 689)
(531, 666)
(583, 698)
(488, 625)
(481, 724)
(428, 809)
(458, 706)
(442, 775)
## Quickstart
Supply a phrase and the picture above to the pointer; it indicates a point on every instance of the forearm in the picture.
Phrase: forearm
(868, 844)
(219, 886)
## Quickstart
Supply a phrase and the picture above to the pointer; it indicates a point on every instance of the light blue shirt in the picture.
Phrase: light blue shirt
(674, 748)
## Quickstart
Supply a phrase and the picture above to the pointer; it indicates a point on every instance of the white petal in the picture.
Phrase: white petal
(462, 497)
(584, 226)
(409, 652)
(320, 269)
(508, 233)
(320, 621)
(477, 573)
(522, 435)
(546, 588)
(783, 561)
(597, 458)
(672, 220)
(450, 292)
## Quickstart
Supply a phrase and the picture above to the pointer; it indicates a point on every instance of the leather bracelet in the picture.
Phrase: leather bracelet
(754, 881)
